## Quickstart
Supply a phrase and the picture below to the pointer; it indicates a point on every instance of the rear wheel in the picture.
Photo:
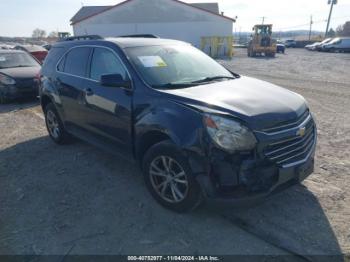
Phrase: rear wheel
(169, 178)
(55, 126)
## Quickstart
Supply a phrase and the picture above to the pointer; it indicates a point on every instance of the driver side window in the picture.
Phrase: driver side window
(105, 62)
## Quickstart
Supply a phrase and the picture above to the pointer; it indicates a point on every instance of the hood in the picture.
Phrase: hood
(21, 72)
(258, 103)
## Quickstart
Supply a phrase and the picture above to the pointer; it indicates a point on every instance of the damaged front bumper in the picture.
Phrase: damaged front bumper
(246, 178)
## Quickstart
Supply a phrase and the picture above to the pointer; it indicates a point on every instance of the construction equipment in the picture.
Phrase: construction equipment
(262, 42)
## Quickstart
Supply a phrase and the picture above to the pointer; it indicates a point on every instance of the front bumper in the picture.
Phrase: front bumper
(271, 180)
(13, 92)
(247, 178)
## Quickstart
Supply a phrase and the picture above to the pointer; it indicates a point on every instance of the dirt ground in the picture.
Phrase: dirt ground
(76, 199)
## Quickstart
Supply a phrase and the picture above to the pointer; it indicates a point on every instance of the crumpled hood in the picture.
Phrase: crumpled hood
(21, 72)
(258, 103)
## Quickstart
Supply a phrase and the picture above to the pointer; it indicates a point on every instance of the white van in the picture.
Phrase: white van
(340, 44)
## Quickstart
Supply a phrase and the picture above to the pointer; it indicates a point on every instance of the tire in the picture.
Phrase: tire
(164, 163)
(55, 126)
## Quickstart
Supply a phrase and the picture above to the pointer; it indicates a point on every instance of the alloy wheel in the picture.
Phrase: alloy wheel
(168, 179)
(52, 124)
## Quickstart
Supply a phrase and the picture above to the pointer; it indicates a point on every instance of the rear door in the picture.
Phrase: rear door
(108, 110)
(72, 69)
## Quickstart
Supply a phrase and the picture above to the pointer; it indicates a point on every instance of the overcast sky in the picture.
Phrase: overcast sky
(21, 17)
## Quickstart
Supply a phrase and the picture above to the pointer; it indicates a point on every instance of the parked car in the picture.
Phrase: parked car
(18, 75)
(326, 41)
(339, 44)
(312, 47)
(290, 43)
(37, 51)
(5, 47)
(281, 48)
(196, 129)
(47, 47)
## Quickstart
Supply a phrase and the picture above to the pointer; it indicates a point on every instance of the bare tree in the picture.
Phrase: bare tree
(53, 34)
(344, 30)
(39, 33)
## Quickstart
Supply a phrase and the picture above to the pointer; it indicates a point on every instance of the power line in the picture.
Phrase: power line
(313, 22)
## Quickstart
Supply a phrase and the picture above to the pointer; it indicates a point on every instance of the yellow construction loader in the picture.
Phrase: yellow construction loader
(262, 42)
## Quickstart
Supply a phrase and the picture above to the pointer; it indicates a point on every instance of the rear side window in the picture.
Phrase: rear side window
(76, 61)
(105, 62)
(51, 60)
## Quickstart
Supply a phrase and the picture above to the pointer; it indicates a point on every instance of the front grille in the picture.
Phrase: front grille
(288, 124)
(292, 149)
(25, 83)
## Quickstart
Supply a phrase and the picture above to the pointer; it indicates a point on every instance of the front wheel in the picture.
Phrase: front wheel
(169, 178)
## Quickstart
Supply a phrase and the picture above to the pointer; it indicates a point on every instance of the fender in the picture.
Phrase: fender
(47, 89)
(181, 124)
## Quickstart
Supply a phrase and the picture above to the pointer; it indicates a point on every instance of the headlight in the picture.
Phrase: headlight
(229, 134)
(6, 80)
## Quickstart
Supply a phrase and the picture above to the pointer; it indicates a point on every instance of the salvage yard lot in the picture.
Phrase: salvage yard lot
(77, 199)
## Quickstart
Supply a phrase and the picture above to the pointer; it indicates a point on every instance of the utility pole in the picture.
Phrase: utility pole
(263, 19)
(330, 2)
(311, 22)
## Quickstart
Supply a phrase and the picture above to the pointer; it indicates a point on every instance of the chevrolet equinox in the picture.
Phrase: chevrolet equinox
(197, 130)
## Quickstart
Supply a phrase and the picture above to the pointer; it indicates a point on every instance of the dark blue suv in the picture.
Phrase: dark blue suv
(197, 130)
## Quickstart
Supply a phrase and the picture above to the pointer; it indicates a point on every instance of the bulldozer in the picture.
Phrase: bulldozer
(262, 42)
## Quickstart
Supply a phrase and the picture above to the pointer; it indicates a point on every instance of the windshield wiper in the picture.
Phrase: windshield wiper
(213, 78)
(22, 66)
(174, 85)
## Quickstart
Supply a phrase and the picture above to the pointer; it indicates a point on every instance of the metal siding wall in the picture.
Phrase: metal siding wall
(191, 32)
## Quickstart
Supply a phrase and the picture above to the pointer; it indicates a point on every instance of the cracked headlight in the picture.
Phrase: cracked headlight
(229, 134)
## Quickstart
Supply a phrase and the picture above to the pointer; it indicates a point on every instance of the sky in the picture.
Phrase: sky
(21, 17)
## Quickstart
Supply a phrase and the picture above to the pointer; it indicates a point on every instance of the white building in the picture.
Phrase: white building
(199, 24)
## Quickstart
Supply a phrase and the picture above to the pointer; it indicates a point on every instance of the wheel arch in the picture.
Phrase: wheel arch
(45, 100)
(147, 140)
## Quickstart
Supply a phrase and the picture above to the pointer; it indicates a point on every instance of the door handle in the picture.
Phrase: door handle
(88, 91)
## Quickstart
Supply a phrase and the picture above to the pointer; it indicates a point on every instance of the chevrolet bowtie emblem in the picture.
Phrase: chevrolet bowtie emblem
(301, 131)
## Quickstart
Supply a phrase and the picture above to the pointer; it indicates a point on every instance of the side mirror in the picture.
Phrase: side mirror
(114, 80)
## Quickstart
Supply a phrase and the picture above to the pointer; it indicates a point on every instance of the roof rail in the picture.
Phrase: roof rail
(140, 36)
(82, 37)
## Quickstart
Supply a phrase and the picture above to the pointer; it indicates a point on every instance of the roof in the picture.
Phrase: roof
(32, 48)
(123, 42)
(10, 51)
(211, 7)
(89, 11)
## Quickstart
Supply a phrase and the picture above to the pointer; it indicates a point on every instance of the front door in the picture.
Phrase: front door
(108, 109)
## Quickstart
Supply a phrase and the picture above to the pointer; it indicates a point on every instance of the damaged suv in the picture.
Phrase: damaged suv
(197, 130)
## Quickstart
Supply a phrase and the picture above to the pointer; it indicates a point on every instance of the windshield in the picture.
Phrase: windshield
(10, 60)
(326, 41)
(175, 66)
(335, 40)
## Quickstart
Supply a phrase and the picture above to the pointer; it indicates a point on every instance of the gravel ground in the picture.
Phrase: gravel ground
(76, 199)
